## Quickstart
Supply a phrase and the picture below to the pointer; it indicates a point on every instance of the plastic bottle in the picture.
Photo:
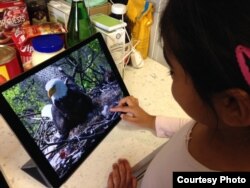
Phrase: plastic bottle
(45, 47)
(79, 24)
(118, 11)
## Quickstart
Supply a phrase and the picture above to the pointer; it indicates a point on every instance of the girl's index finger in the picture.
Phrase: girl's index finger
(124, 102)
(128, 101)
(123, 109)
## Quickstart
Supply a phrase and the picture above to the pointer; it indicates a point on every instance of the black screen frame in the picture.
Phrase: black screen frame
(22, 134)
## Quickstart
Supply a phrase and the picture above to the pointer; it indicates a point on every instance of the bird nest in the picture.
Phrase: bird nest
(62, 154)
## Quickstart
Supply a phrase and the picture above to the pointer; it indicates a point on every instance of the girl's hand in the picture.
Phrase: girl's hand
(121, 176)
(133, 113)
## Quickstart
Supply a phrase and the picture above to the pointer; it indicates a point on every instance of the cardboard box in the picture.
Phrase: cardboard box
(115, 41)
(59, 11)
(13, 14)
(105, 9)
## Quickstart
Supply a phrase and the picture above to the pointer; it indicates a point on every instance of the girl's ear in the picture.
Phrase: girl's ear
(233, 107)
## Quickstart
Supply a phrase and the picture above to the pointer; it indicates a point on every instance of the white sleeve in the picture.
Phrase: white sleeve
(167, 126)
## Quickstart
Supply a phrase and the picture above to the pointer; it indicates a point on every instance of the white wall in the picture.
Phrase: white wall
(155, 49)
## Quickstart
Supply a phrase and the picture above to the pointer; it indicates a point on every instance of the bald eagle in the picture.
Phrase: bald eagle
(70, 105)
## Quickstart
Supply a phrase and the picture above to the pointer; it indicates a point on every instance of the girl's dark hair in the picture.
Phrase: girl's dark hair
(202, 35)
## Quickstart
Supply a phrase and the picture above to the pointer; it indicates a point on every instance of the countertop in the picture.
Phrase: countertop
(151, 84)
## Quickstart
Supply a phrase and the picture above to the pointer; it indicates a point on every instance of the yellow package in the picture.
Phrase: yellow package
(134, 9)
(141, 30)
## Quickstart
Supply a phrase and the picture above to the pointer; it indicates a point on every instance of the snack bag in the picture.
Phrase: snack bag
(142, 28)
(13, 14)
(22, 38)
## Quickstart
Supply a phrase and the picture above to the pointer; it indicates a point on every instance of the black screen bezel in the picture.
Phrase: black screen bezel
(25, 138)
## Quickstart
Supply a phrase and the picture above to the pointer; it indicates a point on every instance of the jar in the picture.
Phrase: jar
(38, 11)
(118, 11)
(45, 47)
(9, 64)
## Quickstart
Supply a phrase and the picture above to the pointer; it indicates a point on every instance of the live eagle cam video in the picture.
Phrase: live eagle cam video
(65, 106)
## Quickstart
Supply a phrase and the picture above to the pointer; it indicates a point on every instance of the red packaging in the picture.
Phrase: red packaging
(13, 14)
(23, 35)
(9, 65)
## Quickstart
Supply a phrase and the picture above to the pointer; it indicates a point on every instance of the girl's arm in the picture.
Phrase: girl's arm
(134, 114)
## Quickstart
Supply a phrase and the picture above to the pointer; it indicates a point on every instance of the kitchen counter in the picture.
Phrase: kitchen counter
(152, 85)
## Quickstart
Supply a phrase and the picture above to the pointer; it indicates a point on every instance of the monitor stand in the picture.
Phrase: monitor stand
(31, 169)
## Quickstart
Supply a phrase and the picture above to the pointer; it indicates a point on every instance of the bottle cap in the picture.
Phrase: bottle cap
(47, 43)
(118, 8)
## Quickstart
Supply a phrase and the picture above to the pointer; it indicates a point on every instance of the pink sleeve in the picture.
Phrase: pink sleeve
(167, 126)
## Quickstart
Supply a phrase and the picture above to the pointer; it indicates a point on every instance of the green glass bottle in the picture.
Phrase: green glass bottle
(79, 25)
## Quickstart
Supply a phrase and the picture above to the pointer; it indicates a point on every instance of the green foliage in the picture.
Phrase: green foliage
(23, 99)
(10, 96)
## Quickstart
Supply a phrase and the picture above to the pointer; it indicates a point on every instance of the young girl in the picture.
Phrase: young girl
(207, 47)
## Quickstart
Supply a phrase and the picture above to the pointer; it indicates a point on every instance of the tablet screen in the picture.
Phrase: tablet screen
(59, 110)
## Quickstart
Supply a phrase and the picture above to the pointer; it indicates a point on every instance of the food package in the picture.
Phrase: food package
(23, 35)
(140, 18)
(13, 14)
(141, 30)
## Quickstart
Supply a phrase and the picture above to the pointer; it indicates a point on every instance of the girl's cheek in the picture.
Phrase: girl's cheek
(174, 93)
